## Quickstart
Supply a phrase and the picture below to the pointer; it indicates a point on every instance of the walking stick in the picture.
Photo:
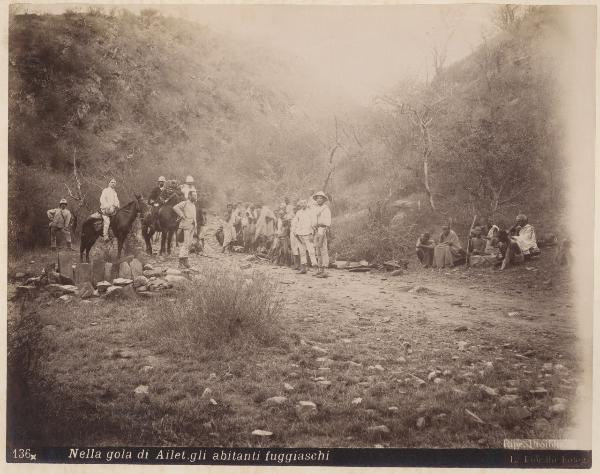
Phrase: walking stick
(469, 241)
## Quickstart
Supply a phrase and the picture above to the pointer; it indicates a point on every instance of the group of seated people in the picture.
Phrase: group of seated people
(488, 245)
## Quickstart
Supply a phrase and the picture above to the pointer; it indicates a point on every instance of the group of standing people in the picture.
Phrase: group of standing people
(294, 234)
(488, 245)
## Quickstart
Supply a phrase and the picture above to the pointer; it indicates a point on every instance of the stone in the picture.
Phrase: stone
(508, 399)
(148, 266)
(541, 424)
(320, 350)
(141, 390)
(212, 401)
(462, 345)
(155, 272)
(354, 364)
(86, 290)
(378, 367)
(262, 433)
(547, 367)
(206, 393)
(68, 289)
(125, 271)
(122, 281)
(438, 380)
(394, 409)
(492, 392)
(519, 413)
(324, 383)
(539, 392)
(288, 387)
(461, 329)
(558, 408)
(307, 405)
(276, 400)
(83, 273)
(140, 281)
(142, 289)
(97, 271)
(147, 368)
(420, 422)
(113, 292)
(159, 284)
(108, 272)
(433, 374)
(175, 278)
(65, 265)
(380, 429)
(65, 298)
(447, 373)
(102, 286)
(174, 271)
(136, 268)
(357, 401)
(324, 369)
(396, 273)
(511, 390)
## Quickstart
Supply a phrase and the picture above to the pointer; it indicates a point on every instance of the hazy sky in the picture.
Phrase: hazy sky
(359, 50)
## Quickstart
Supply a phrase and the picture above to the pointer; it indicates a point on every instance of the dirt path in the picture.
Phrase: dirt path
(417, 353)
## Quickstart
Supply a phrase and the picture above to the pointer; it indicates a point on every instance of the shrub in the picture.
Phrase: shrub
(227, 306)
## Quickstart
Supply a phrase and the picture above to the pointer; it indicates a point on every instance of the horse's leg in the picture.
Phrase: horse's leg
(170, 240)
(120, 242)
(147, 233)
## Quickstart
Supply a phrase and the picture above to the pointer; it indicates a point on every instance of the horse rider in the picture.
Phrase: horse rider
(156, 199)
(60, 221)
(186, 210)
(188, 186)
(109, 204)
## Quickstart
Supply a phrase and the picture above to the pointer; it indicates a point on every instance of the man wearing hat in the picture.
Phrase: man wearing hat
(60, 221)
(109, 204)
(155, 197)
(186, 210)
(303, 225)
(188, 186)
(322, 224)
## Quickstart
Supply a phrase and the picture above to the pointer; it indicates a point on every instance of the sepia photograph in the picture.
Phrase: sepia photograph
(293, 234)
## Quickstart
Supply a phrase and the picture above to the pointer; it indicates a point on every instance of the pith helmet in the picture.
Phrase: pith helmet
(63, 201)
(320, 193)
(161, 179)
(189, 179)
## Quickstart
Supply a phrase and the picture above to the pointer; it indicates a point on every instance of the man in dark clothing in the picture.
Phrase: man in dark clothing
(424, 249)
(155, 199)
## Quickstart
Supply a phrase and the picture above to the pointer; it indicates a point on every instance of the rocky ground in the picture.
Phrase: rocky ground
(428, 358)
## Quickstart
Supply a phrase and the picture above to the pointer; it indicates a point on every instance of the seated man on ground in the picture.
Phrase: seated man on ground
(424, 248)
(448, 252)
(510, 251)
(492, 240)
(524, 234)
(477, 242)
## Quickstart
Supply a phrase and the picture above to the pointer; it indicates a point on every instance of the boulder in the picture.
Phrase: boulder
(276, 400)
(175, 278)
(122, 281)
(174, 271)
(147, 266)
(114, 292)
(141, 390)
(125, 271)
(380, 429)
(153, 272)
(102, 286)
(288, 387)
(108, 271)
(65, 265)
(86, 290)
(140, 281)
(83, 273)
(136, 268)
(129, 292)
(262, 433)
(98, 272)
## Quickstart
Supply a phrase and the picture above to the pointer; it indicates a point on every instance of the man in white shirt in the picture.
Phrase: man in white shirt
(60, 221)
(188, 186)
(109, 204)
(321, 226)
(303, 224)
(525, 236)
(186, 210)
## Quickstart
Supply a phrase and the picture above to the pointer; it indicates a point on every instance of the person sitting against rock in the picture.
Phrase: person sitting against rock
(448, 252)
(510, 251)
(424, 248)
(477, 243)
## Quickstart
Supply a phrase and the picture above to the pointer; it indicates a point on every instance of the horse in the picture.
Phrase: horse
(166, 221)
(120, 224)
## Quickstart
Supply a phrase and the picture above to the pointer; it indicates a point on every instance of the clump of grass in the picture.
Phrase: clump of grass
(228, 306)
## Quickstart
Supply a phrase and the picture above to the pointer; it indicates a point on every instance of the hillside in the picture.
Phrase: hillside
(136, 96)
